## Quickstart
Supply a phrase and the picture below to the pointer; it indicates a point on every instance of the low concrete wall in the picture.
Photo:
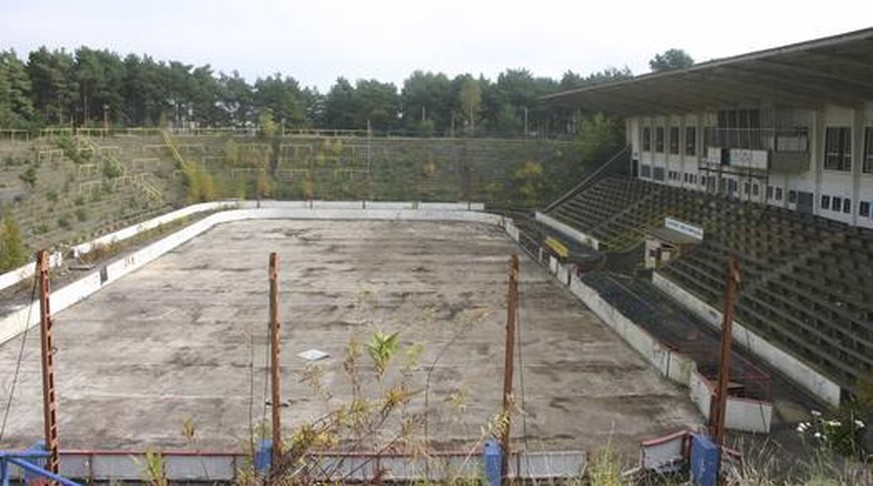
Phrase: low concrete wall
(664, 453)
(801, 373)
(132, 231)
(748, 415)
(18, 321)
(567, 230)
(183, 466)
(700, 392)
(675, 366)
(743, 414)
(26, 272)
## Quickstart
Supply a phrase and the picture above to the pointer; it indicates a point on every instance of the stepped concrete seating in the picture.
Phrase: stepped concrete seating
(604, 200)
(806, 282)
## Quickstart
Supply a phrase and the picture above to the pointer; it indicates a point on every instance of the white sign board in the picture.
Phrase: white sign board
(752, 159)
(713, 155)
(684, 228)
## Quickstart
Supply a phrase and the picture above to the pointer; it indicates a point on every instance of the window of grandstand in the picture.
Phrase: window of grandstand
(647, 139)
(674, 140)
(745, 188)
(691, 141)
(825, 201)
(733, 186)
(864, 209)
(769, 192)
(755, 189)
(646, 171)
(658, 173)
(778, 193)
(847, 206)
(868, 149)
(703, 180)
(792, 196)
(738, 129)
(838, 149)
(836, 203)
(659, 140)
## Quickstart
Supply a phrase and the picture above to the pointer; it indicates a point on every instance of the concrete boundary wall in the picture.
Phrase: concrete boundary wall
(90, 466)
(742, 414)
(567, 230)
(26, 272)
(132, 231)
(799, 372)
(675, 366)
(21, 319)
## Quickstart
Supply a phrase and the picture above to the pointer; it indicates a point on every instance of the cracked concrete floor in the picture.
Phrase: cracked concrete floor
(176, 340)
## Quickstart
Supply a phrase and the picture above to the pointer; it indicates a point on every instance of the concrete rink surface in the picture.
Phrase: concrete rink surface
(184, 339)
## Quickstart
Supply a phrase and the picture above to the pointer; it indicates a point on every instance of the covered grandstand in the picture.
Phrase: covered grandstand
(770, 154)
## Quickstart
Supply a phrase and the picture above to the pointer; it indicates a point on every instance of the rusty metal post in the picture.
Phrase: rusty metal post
(49, 399)
(719, 412)
(511, 323)
(274, 358)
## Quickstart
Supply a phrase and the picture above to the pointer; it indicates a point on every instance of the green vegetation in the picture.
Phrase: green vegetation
(71, 149)
(671, 59)
(13, 253)
(29, 176)
(88, 86)
(111, 169)
(199, 184)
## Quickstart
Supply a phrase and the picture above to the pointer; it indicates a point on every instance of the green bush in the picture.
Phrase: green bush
(111, 170)
(64, 222)
(81, 214)
(13, 253)
(29, 177)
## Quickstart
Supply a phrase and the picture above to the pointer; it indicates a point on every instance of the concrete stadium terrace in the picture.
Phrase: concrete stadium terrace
(175, 339)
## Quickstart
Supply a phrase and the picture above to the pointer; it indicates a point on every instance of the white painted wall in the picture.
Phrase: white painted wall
(16, 322)
(25, 272)
(567, 230)
(855, 185)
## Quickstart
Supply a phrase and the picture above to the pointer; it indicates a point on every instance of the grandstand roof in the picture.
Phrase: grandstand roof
(832, 70)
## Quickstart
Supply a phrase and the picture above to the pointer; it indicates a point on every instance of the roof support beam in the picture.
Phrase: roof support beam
(785, 84)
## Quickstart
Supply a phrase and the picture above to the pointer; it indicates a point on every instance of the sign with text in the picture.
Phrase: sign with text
(684, 228)
(752, 159)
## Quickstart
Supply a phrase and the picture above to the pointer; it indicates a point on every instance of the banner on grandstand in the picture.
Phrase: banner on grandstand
(751, 159)
(684, 228)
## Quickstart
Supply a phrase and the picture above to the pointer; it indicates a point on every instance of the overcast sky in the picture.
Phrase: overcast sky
(317, 41)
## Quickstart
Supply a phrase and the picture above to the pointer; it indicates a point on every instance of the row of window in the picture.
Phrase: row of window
(837, 151)
(672, 141)
(774, 193)
(836, 203)
(839, 204)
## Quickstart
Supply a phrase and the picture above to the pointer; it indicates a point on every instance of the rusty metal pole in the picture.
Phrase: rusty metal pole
(511, 323)
(724, 362)
(49, 399)
(274, 358)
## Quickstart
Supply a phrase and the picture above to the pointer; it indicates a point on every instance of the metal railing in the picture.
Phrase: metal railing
(775, 139)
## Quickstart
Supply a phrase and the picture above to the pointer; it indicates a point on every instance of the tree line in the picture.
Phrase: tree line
(90, 87)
